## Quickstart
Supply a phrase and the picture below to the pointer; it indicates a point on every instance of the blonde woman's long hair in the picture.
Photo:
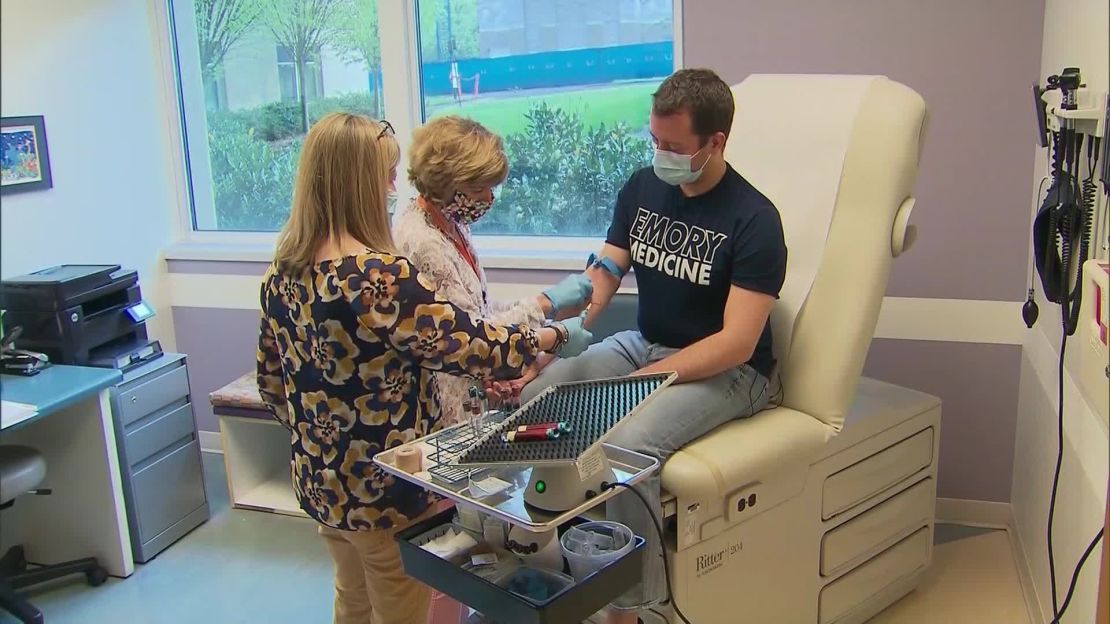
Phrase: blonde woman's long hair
(341, 185)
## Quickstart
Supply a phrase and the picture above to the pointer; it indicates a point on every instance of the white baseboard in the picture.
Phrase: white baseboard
(985, 514)
(1025, 575)
(210, 442)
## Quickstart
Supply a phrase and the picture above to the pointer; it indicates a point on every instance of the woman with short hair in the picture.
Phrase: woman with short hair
(455, 163)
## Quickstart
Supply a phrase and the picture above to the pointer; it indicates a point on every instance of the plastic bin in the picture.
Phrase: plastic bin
(591, 546)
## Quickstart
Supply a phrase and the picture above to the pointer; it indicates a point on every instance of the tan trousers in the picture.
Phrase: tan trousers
(370, 585)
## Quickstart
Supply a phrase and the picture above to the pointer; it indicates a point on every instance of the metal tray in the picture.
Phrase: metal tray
(573, 604)
(630, 467)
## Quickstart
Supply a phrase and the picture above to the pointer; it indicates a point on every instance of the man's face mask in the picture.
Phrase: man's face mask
(465, 210)
(675, 169)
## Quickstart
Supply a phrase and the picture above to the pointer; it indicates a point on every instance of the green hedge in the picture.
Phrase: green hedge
(563, 176)
(253, 181)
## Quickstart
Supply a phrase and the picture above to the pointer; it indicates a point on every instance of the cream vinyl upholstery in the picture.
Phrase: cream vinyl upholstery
(841, 150)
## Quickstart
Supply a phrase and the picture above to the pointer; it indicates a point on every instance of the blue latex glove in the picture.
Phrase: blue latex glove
(580, 337)
(573, 291)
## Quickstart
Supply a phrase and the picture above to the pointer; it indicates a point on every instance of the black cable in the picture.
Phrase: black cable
(1050, 248)
(1075, 576)
(662, 543)
(1056, 473)
(1069, 304)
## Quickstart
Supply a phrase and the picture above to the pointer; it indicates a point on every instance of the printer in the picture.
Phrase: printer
(86, 315)
(94, 315)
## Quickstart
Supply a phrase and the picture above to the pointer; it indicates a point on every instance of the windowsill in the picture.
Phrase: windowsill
(220, 252)
(493, 257)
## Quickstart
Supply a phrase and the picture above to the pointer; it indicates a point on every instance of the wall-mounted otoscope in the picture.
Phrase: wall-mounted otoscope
(1071, 121)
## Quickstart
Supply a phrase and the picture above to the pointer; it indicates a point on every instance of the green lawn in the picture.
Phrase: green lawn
(504, 115)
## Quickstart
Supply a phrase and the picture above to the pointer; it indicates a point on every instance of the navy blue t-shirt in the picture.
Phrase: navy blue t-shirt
(688, 251)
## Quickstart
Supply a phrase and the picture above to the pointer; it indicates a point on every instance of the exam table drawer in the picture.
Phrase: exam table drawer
(877, 528)
(905, 558)
(573, 604)
(159, 433)
(872, 475)
(148, 396)
(171, 488)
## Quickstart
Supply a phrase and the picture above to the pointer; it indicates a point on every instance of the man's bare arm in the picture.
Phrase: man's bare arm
(605, 283)
(746, 313)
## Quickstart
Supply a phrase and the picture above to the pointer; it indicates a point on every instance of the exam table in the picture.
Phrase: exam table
(820, 510)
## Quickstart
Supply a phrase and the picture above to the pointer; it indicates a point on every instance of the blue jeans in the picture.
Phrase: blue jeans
(676, 416)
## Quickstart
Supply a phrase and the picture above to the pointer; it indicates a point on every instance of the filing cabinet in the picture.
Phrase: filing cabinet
(159, 454)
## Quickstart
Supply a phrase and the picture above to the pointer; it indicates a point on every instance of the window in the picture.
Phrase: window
(566, 83)
(290, 79)
(245, 124)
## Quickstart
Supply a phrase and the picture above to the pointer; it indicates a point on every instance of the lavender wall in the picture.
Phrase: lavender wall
(221, 345)
(978, 384)
(973, 62)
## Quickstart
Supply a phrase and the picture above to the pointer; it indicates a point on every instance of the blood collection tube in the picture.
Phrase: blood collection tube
(561, 427)
(531, 435)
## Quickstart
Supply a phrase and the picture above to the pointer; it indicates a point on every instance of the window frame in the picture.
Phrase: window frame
(403, 102)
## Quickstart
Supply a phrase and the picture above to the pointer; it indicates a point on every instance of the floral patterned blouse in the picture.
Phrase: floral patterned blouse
(345, 358)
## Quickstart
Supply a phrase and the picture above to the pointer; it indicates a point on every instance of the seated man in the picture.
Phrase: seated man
(710, 259)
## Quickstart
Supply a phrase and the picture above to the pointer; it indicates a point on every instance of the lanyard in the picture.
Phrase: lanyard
(441, 224)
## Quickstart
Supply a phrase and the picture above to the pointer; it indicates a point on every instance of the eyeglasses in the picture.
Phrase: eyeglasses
(386, 127)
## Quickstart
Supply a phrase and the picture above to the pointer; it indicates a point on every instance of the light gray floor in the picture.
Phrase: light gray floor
(240, 566)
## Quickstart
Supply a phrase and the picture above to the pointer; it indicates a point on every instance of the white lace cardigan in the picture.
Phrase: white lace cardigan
(436, 257)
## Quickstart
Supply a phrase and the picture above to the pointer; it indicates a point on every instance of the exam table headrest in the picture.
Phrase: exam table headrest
(838, 155)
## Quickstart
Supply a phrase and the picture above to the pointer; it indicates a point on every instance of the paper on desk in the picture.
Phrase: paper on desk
(12, 413)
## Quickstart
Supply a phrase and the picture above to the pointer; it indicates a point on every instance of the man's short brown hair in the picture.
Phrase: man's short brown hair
(702, 94)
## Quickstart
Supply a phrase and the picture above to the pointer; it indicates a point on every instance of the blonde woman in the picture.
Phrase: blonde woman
(350, 335)
(454, 164)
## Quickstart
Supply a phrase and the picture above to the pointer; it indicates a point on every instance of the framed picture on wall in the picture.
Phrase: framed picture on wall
(24, 157)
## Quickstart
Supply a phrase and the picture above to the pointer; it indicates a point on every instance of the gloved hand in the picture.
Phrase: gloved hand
(579, 337)
(574, 291)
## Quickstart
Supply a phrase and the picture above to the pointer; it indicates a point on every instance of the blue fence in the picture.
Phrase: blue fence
(563, 68)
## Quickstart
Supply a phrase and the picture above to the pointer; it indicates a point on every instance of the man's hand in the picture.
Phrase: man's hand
(507, 393)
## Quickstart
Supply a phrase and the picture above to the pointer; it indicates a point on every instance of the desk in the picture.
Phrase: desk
(85, 516)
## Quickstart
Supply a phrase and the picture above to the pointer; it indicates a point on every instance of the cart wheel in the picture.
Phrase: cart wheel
(96, 576)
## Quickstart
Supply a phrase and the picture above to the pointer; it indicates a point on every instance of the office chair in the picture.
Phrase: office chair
(22, 469)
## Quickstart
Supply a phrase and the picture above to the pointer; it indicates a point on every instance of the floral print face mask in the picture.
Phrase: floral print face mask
(465, 210)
